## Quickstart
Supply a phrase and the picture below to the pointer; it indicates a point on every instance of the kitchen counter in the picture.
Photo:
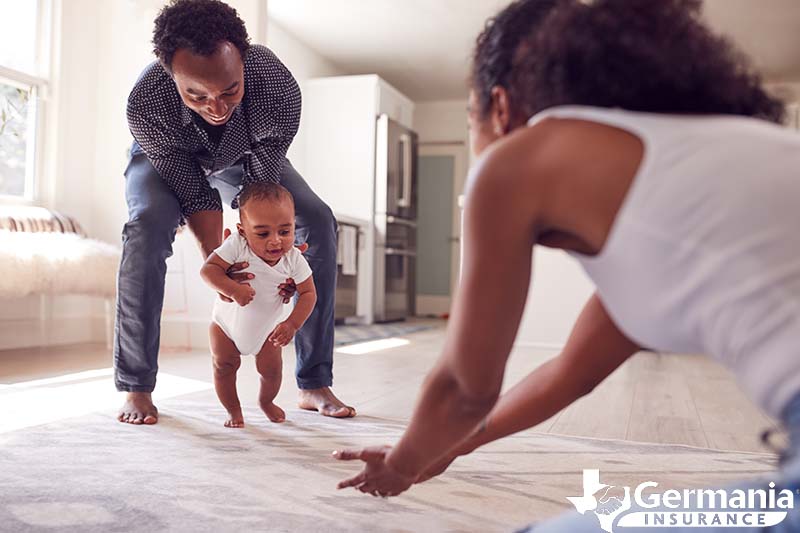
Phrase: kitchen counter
(354, 293)
(353, 221)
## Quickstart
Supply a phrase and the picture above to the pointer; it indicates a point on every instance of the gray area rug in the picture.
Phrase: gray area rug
(188, 473)
(350, 334)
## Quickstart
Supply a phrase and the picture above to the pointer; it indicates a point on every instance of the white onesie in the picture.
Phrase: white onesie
(249, 326)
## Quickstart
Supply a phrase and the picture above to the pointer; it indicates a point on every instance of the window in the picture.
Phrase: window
(24, 41)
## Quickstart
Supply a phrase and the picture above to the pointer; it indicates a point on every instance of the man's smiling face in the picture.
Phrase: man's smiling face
(211, 86)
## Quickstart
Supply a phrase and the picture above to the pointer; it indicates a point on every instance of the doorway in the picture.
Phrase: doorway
(442, 173)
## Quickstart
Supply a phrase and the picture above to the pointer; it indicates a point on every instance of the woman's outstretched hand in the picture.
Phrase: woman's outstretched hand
(378, 477)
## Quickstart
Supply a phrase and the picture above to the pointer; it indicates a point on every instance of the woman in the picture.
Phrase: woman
(651, 158)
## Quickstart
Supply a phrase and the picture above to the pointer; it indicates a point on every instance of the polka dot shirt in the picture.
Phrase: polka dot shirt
(257, 135)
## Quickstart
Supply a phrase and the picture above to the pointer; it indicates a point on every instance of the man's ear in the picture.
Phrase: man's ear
(500, 111)
(167, 69)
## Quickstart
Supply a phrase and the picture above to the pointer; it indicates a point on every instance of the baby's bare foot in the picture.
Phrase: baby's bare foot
(273, 412)
(235, 420)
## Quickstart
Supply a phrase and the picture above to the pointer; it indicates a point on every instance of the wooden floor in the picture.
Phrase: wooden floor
(675, 399)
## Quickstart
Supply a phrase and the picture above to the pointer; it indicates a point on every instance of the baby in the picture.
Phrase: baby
(247, 325)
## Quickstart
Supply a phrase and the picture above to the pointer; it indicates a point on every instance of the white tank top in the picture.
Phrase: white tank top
(704, 254)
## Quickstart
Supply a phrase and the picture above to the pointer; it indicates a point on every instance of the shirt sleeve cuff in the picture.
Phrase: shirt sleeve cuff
(204, 204)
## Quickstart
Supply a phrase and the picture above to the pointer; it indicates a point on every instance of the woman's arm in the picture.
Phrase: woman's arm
(515, 186)
(500, 226)
(595, 348)
(500, 232)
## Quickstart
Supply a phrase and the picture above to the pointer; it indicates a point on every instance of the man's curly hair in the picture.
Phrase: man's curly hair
(642, 55)
(200, 26)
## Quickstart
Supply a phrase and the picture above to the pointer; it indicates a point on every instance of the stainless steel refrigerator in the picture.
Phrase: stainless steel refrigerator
(395, 220)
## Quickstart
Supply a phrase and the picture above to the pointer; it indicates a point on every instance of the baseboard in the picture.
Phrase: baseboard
(31, 333)
(428, 305)
(176, 332)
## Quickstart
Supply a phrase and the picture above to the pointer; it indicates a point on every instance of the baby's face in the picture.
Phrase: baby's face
(268, 227)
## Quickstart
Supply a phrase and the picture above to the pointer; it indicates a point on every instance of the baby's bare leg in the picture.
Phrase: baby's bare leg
(227, 360)
(270, 367)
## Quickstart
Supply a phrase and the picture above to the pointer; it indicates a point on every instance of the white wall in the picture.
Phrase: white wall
(559, 289)
(304, 64)
(789, 90)
(441, 121)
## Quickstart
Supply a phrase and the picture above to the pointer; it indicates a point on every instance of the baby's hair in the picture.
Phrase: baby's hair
(266, 190)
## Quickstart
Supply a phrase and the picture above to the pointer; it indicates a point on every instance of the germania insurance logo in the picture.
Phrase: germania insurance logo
(697, 508)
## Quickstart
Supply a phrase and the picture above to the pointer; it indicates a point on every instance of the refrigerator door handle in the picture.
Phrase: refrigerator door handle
(390, 219)
(398, 251)
(404, 199)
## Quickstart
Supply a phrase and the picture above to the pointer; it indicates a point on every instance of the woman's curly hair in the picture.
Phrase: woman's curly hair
(496, 48)
(642, 55)
(199, 25)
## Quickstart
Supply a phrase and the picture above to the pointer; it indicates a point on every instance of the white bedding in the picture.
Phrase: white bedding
(33, 263)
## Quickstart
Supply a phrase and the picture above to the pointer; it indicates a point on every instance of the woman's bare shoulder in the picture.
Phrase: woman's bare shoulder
(570, 175)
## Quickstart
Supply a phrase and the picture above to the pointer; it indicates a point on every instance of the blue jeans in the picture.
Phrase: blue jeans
(787, 477)
(147, 237)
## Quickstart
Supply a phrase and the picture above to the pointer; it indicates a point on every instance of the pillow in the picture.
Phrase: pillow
(32, 219)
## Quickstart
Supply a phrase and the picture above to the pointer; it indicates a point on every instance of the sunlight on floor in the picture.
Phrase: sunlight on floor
(36, 402)
(372, 346)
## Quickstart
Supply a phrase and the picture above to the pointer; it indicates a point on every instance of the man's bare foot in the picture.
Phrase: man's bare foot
(273, 412)
(235, 419)
(138, 409)
(324, 401)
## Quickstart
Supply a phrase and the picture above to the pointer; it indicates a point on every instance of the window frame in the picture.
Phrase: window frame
(39, 85)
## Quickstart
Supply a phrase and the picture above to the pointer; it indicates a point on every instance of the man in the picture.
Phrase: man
(211, 115)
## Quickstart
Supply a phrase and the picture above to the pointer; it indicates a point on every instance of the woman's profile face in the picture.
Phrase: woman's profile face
(482, 131)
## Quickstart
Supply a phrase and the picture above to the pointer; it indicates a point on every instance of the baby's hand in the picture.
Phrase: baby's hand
(282, 334)
(244, 294)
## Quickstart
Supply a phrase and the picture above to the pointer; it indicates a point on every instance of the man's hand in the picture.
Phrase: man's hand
(288, 288)
(377, 477)
(244, 294)
(238, 277)
(282, 334)
(234, 272)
